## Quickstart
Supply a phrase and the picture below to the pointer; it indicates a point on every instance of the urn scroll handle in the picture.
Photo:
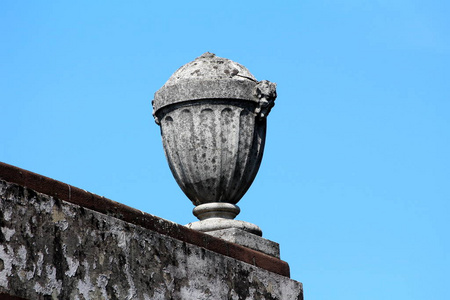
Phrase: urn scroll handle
(265, 92)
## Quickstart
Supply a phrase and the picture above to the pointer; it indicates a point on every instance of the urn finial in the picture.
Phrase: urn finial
(212, 112)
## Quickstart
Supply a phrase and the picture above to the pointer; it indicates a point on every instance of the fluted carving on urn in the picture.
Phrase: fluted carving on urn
(214, 150)
(212, 114)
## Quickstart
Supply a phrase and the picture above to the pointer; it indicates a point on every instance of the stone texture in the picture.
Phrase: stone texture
(249, 240)
(52, 249)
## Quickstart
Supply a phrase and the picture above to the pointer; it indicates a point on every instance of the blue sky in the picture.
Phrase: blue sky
(354, 182)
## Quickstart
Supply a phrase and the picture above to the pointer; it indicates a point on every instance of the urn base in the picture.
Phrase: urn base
(213, 224)
(218, 216)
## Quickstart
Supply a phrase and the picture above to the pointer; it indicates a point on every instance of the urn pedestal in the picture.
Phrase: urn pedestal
(212, 113)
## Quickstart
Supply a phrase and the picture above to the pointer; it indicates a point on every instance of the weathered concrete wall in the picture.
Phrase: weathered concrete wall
(53, 249)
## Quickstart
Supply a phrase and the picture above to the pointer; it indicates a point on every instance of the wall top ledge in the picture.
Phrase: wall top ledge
(77, 196)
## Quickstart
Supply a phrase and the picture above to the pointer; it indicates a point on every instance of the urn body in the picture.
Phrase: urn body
(214, 148)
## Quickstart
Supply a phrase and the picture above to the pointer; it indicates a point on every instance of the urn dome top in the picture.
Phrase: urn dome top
(207, 77)
(208, 66)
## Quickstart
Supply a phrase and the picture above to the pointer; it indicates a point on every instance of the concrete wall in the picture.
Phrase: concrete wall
(53, 249)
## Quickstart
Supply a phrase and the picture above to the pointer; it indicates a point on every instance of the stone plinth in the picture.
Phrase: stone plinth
(248, 240)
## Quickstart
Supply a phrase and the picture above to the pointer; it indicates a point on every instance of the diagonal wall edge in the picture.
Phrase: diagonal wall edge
(108, 207)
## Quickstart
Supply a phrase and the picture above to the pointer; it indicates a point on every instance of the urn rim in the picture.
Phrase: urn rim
(207, 77)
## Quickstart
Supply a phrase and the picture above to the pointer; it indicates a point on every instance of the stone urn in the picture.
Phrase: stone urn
(212, 112)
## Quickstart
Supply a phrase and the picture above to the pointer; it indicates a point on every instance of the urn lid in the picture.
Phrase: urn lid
(207, 77)
(208, 66)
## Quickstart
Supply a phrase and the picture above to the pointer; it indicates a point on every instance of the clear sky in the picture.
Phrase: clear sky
(354, 182)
